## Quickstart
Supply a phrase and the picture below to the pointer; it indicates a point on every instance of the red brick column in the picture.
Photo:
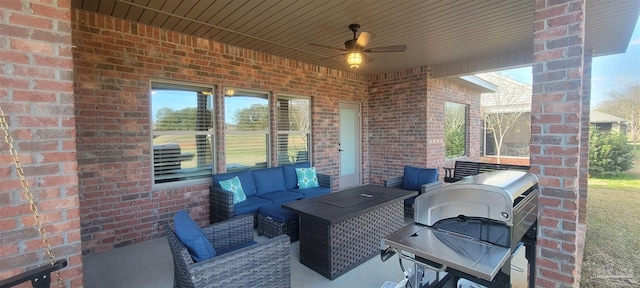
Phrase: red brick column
(556, 136)
(36, 95)
(584, 141)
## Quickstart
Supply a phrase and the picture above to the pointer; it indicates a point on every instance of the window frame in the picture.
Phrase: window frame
(267, 132)
(308, 131)
(154, 84)
(465, 125)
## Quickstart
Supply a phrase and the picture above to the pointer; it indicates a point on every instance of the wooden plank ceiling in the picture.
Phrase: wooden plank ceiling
(435, 32)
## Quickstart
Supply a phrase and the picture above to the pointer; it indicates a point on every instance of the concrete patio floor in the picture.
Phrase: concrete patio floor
(149, 264)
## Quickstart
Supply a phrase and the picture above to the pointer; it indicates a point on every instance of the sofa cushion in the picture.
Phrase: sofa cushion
(246, 179)
(268, 180)
(234, 186)
(307, 178)
(252, 204)
(414, 177)
(280, 197)
(192, 236)
(312, 192)
(290, 176)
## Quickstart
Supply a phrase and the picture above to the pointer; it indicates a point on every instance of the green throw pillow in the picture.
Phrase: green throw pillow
(234, 186)
(307, 178)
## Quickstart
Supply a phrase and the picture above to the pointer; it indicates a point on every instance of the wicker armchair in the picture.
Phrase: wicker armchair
(408, 207)
(265, 264)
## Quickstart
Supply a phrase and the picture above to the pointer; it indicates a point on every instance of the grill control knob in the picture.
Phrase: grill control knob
(504, 215)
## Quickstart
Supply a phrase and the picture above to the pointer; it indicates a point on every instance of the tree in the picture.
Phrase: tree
(299, 115)
(609, 153)
(180, 120)
(253, 118)
(502, 109)
(625, 104)
(455, 133)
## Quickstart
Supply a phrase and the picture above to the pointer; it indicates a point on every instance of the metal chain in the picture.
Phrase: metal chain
(25, 185)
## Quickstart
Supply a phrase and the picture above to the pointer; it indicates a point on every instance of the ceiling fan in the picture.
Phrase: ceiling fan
(356, 47)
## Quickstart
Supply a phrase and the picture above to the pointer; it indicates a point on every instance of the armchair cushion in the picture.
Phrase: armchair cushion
(192, 236)
(269, 180)
(290, 176)
(414, 177)
(234, 186)
(307, 178)
(245, 176)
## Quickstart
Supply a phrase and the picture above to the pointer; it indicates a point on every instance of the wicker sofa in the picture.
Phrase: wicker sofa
(262, 187)
(265, 264)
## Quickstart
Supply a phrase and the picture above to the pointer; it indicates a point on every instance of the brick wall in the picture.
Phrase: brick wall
(556, 137)
(397, 122)
(114, 61)
(406, 121)
(36, 96)
(454, 92)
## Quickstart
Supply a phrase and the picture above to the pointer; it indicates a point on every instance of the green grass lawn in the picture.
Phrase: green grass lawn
(611, 256)
(244, 150)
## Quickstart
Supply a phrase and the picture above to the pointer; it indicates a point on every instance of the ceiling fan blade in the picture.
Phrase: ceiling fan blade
(368, 59)
(395, 48)
(363, 39)
(326, 46)
(336, 55)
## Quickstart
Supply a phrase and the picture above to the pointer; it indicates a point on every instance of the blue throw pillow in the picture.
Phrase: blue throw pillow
(245, 176)
(307, 178)
(192, 236)
(414, 177)
(234, 186)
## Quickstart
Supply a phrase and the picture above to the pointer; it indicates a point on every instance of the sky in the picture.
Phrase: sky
(608, 73)
(167, 98)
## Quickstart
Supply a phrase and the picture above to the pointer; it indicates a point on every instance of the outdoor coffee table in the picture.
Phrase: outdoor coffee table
(342, 230)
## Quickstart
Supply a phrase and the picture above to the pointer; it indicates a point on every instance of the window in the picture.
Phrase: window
(246, 130)
(182, 131)
(515, 131)
(294, 129)
(455, 118)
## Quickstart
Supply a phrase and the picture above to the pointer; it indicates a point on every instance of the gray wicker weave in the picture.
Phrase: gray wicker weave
(265, 264)
(272, 228)
(397, 182)
(221, 201)
(342, 230)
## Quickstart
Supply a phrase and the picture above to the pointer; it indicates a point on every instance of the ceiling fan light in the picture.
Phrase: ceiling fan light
(354, 59)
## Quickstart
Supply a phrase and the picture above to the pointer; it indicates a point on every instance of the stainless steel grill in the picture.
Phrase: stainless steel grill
(470, 229)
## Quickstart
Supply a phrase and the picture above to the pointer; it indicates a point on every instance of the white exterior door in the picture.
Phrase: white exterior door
(349, 146)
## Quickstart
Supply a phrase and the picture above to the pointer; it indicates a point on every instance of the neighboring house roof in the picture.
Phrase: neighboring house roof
(599, 117)
(510, 96)
(476, 83)
(515, 96)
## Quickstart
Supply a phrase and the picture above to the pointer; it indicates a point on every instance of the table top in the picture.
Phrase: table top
(343, 205)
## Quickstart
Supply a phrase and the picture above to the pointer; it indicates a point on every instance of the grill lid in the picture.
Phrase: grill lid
(488, 195)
